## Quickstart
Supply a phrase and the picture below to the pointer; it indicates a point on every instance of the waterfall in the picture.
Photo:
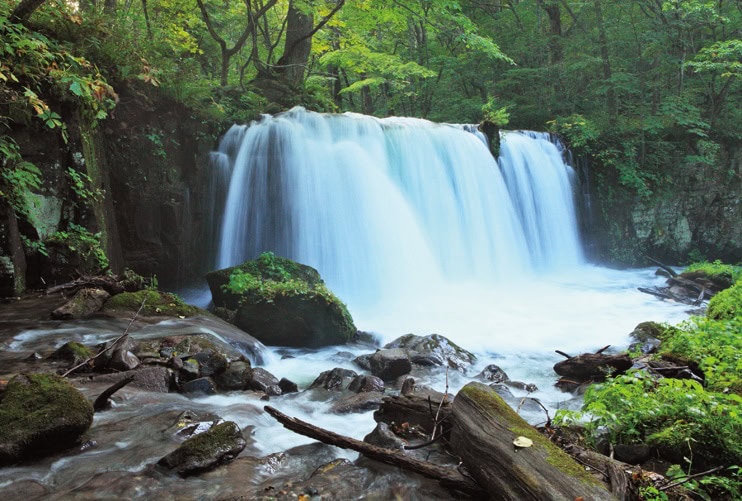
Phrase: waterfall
(395, 204)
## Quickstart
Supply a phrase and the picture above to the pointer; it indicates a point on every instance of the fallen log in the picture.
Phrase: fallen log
(109, 283)
(483, 435)
(449, 478)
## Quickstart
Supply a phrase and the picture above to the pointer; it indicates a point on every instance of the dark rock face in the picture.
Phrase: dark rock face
(493, 374)
(284, 303)
(390, 364)
(357, 402)
(155, 379)
(287, 386)
(222, 443)
(202, 385)
(235, 377)
(264, 381)
(336, 379)
(434, 350)
(40, 414)
(362, 384)
(384, 437)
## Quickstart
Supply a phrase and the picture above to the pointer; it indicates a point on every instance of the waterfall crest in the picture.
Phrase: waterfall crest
(395, 204)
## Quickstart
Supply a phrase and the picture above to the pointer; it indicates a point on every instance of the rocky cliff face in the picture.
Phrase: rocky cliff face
(130, 187)
(695, 215)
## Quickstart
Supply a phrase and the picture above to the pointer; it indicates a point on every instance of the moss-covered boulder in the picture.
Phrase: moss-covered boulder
(41, 414)
(155, 303)
(281, 302)
(220, 444)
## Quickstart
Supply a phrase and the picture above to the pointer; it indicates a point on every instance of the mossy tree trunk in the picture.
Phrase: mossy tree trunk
(484, 428)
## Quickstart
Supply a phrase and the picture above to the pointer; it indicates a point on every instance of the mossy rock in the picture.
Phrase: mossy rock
(726, 304)
(434, 349)
(267, 268)
(155, 303)
(222, 443)
(41, 414)
(281, 302)
(644, 331)
(72, 352)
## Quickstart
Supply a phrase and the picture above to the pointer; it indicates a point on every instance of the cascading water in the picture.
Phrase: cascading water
(396, 205)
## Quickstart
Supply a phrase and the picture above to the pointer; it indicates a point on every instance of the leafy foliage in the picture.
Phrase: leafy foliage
(727, 304)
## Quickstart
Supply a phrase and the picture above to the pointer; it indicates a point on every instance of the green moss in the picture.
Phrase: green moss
(491, 402)
(726, 304)
(155, 303)
(40, 412)
(717, 269)
(205, 445)
(270, 277)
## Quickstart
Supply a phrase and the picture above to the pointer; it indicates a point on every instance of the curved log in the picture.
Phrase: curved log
(484, 428)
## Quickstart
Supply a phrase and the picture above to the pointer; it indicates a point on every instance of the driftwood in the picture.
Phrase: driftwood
(101, 403)
(448, 477)
(483, 434)
(592, 366)
(109, 283)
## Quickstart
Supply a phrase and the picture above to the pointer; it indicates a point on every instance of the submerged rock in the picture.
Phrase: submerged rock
(282, 302)
(41, 414)
(434, 350)
(220, 444)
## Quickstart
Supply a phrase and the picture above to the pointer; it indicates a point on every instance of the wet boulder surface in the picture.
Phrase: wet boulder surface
(41, 414)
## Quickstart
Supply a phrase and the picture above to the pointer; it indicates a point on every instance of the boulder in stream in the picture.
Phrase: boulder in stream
(282, 302)
(41, 414)
(220, 444)
(389, 364)
(434, 350)
(83, 304)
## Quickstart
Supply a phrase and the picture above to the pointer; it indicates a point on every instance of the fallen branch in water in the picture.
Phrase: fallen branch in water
(448, 477)
(113, 344)
(101, 403)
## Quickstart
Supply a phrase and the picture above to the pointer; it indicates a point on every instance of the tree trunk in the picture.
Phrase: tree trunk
(298, 45)
(605, 58)
(484, 428)
(24, 10)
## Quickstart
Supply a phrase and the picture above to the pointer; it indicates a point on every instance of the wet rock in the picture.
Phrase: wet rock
(72, 353)
(154, 379)
(384, 437)
(336, 379)
(264, 381)
(389, 364)
(287, 386)
(175, 363)
(361, 384)
(190, 370)
(41, 414)
(494, 374)
(529, 387)
(83, 304)
(222, 443)
(357, 402)
(285, 303)
(202, 385)
(434, 350)
(186, 424)
(363, 361)
(502, 390)
(648, 330)
(123, 360)
(213, 363)
(648, 346)
(236, 376)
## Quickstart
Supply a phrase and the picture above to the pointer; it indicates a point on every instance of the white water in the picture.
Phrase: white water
(420, 230)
